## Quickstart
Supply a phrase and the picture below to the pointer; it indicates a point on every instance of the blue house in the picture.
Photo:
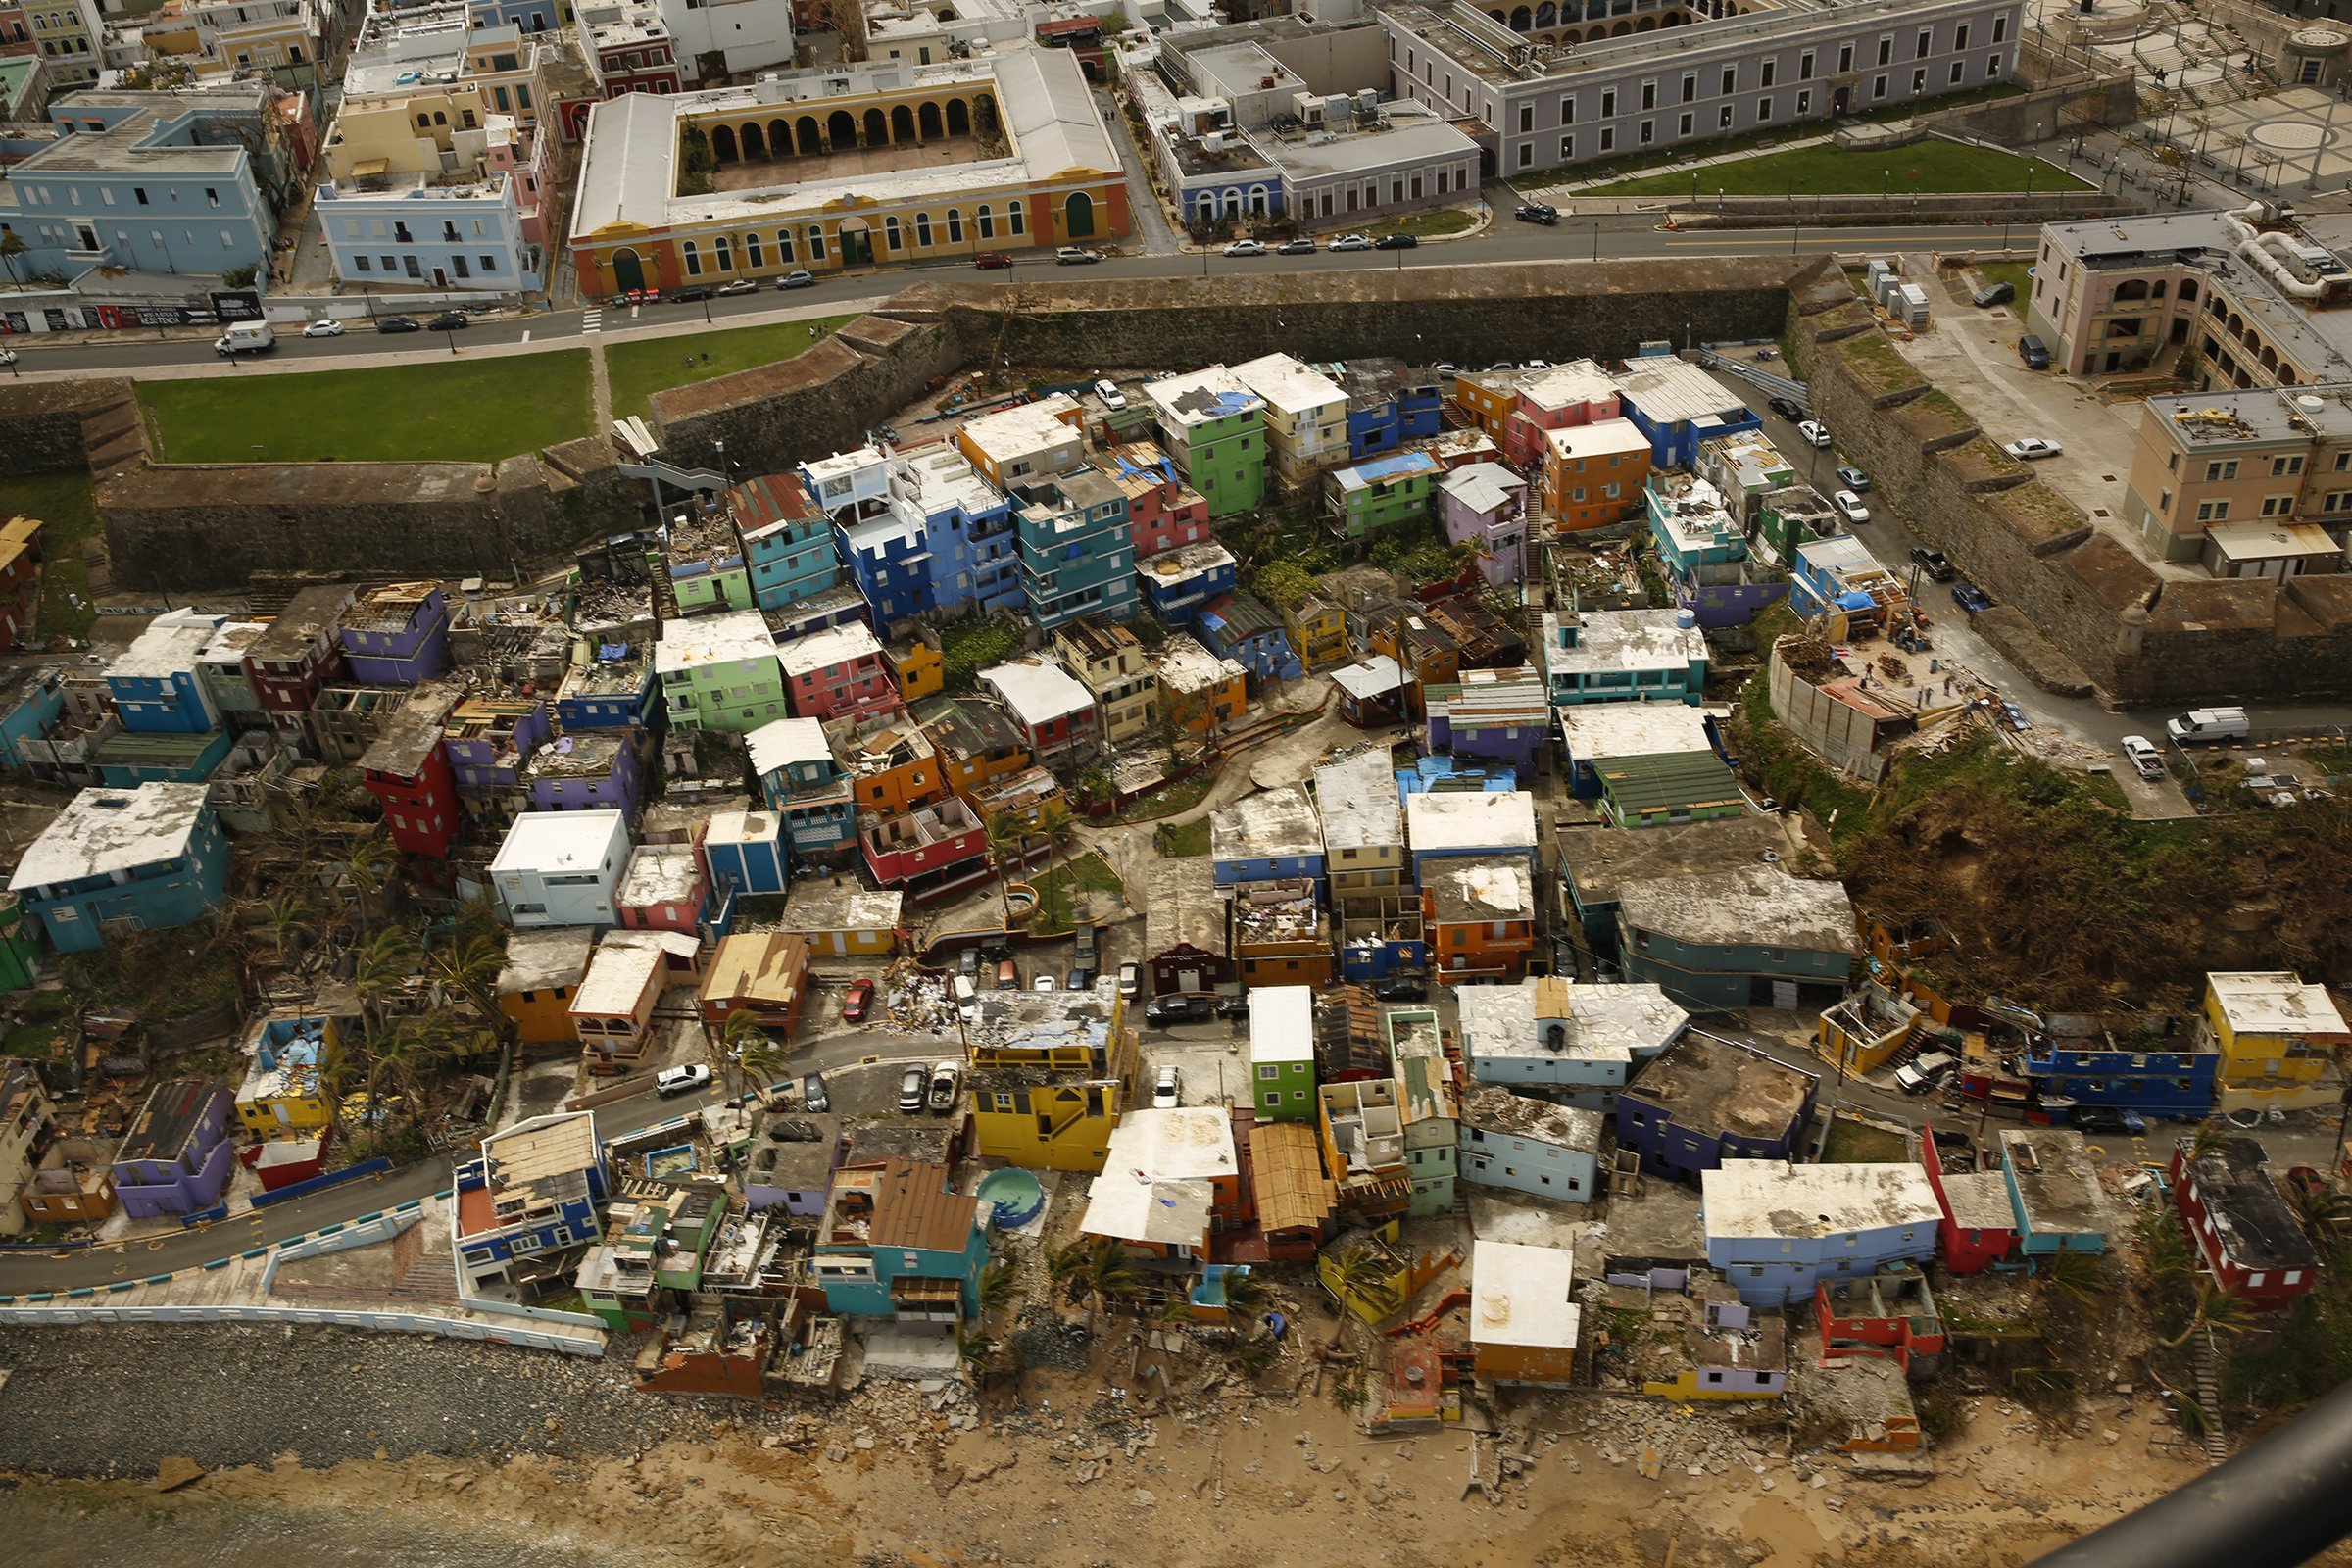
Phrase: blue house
(532, 16)
(1755, 936)
(129, 759)
(1839, 573)
(802, 781)
(1387, 405)
(153, 855)
(2054, 1190)
(1774, 1229)
(528, 1202)
(1271, 836)
(1702, 1102)
(787, 540)
(900, 1242)
(611, 688)
(1077, 554)
(31, 700)
(1676, 405)
(746, 850)
(157, 683)
(1500, 715)
(1578, 1045)
(1240, 627)
(1625, 656)
(2176, 1080)
(976, 555)
(177, 1156)
(1529, 1145)
(890, 559)
(1177, 584)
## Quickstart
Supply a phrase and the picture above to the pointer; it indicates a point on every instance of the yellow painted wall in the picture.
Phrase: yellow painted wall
(919, 671)
(544, 1019)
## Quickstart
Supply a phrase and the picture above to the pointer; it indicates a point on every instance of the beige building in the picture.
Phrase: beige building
(1305, 417)
(1113, 665)
(24, 1116)
(2254, 483)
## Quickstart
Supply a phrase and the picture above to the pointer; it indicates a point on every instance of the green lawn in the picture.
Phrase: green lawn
(465, 411)
(638, 371)
(2012, 274)
(1442, 220)
(1857, 1143)
(66, 503)
(1923, 167)
(1056, 905)
(1184, 840)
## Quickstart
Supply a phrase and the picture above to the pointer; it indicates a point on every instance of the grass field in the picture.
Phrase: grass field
(466, 411)
(65, 504)
(2012, 274)
(638, 371)
(1927, 167)
(1856, 1142)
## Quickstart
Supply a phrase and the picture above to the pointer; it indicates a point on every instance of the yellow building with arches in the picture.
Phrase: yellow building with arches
(844, 170)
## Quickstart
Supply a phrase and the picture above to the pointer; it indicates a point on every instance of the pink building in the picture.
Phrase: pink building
(1581, 393)
(1485, 507)
(838, 670)
(1162, 511)
(664, 889)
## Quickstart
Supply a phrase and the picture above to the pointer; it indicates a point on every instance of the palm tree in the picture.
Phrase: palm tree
(382, 965)
(289, 917)
(1107, 1273)
(1059, 829)
(1245, 1294)
(1008, 834)
(472, 967)
(2216, 1309)
(2076, 1275)
(747, 1053)
(1175, 1310)
(11, 246)
(973, 1347)
(1359, 1274)
(999, 1287)
(373, 861)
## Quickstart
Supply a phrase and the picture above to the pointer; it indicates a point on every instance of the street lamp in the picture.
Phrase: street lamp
(1886, 179)
(1597, 242)
(451, 333)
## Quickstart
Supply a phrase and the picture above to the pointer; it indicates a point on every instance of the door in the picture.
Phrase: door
(857, 247)
(1080, 210)
(628, 275)
(1190, 980)
(440, 279)
(841, 944)
(285, 1117)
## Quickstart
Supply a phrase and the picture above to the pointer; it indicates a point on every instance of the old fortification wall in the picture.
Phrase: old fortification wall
(2143, 640)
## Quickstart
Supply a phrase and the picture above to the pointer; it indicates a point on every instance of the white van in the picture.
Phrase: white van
(967, 997)
(245, 337)
(2209, 725)
(1924, 1073)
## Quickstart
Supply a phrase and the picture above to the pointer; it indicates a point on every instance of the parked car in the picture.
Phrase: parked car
(1922, 1074)
(681, 1080)
(967, 997)
(1131, 980)
(992, 261)
(1044, 982)
(2208, 725)
(1008, 975)
(968, 966)
(1302, 246)
(1246, 247)
(1932, 563)
(1079, 979)
(1235, 1006)
(2145, 760)
(1395, 242)
(1352, 242)
(1970, 598)
(2107, 1119)
(1851, 505)
(813, 1093)
(2031, 447)
(1993, 294)
(1167, 1089)
(1182, 1008)
(2035, 351)
(1854, 479)
(798, 279)
(1076, 256)
(742, 285)
(1401, 988)
(1538, 213)
(315, 329)
(695, 295)
(1786, 408)
(397, 323)
(911, 1083)
(854, 1005)
(1108, 391)
(1534, 365)
(1813, 432)
(946, 1081)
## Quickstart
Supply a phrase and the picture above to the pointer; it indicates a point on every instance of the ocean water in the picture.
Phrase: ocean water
(39, 1534)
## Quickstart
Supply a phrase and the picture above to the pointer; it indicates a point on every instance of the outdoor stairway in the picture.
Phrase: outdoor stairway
(115, 435)
(665, 592)
(428, 1281)
(2209, 1395)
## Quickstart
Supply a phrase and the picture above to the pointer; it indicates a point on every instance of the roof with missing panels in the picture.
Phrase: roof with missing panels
(102, 832)
(1716, 1089)
(1491, 1108)
(1769, 1197)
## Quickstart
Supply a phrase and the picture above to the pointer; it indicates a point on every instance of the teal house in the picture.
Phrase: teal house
(1750, 936)
(130, 759)
(897, 1243)
(1625, 656)
(151, 858)
(1077, 553)
(1381, 493)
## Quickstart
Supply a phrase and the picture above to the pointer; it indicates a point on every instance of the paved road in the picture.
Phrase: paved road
(1614, 235)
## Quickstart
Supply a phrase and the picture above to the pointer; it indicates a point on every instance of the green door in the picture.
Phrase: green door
(856, 248)
(627, 275)
(1081, 210)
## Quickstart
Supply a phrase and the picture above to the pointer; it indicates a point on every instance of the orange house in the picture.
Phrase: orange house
(1524, 1320)
(1479, 912)
(974, 740)
(890, 763)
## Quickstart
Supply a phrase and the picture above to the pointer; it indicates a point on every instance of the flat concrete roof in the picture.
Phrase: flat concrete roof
(1461, 820)
(1751, 906)
(1268, 825)
(1758, 1198)
(1523, 1295)
(1715, 1088)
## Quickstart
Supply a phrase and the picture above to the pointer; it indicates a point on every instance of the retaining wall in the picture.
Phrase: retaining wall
(1832, 730)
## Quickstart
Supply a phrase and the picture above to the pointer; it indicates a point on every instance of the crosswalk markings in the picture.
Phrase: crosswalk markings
(592, 322)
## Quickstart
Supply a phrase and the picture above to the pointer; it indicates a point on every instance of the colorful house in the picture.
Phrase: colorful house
(1594, 475)
(25, 1117)
(967, 524)
(928, 851)
(1576, 1044)
(1891, 1313)
(1363, 825)
(154, 683)
(1294, 1200)
(1678, 405)
(1979, 1224)
(1317, 629)
(1623, 655)
(787, 540)
(528, 1202)
(1704, 1102)
(1529, 1145)
(154, 857)
(835, 671)
(1432, 1104)
(1775, 1229)
(1051, 713)
(177, 1156)
(2054, 1190)
(1477, 912)
(722, 671)
(974, 738)
(1077, 557)
(1271, 836)
(2177, 1079)
(1047, 1094)
(1484, 507)
(664, 887)
(1113, 665)
(2277, 1039)
(1372, 691)
(1185, 927)
(1598, 734)
(1380, 493)
(900, 1242)
(584, 774)
(1446, 824)
(408, 771)
(491, 740)
(1282, 1053)
(1239, 626)
(20, 578)
(765, 973)
(543, 967)
(2244, 1233)
(844, 922)
(890, 763)
(1387, 405)
(608, 686)
(1502, 716)
(745, 852)
(1199, 692)
(1175, 1179)
(1212, 428)
(295, 659)
(1163, 513)
(804, 783)
(916, 667)
(1524, 1320)
(1755, 936)
(1362, 1128)
(1175, 585)
(394, 634)
(1305, 417)
(612, 1008)
(1021, 442)
(128, 759)
(1736, 1351)
(281, 1090)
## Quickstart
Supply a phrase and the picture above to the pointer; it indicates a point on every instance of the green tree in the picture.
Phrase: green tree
(472, 967)
(747, 1053)
(973, 1347)
(372, 862)
(1007, 840)
(11, 246)
(1358, 1274)
(999, 1287)
(1285, 585)
(1058, 825)
(289, 918)
(1245, 1294)
(2074, 1275)
(2216, 1309)
(381, 968)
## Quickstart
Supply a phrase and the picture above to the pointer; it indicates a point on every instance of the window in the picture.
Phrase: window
(1805, 103)
(1608, 106)
(2001, 28)
(694, 259)
(1877, 86)
(1683, 126)
(2220, 471)
(817, 243)
(1723, 118)
(1919, 82)
(211, 195)
(1649, 132)
(1649, 95)
(1012, 211)
(2213, 512)
(954, 225)
(1527, 117)
(1730, 79)
(1568, 151)
(2282, 468)
(2278, 505)
(1690, 87)
(1567, 111)
(362, 263)
(1992, 63)
(1926, 44)
(1763, 109)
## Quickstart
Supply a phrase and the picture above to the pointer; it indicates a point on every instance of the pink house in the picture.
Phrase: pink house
(1581, 393)
(664, 889)
(1162, 511)
(1485, 507)
(838, 670)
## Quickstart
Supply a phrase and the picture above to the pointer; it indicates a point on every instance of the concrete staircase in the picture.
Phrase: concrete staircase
(665, 592)
(115, 436)
(2209, 1395)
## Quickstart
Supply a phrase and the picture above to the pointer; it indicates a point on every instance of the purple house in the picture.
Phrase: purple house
(177, 1157)
(574, 772)
(1504, 716)
(490, 740)
(1484, 505)
(393, 636)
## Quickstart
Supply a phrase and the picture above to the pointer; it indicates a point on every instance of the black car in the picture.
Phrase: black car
(1395, 242)
(2106, 1120)
(1233, 1006)
(1400, 988)
(448, 321)
(1180, 1008)
(1538, 213)
(1932, 561)
(688, 296)
(397, 323)
(1993, 294)
(1786, 409)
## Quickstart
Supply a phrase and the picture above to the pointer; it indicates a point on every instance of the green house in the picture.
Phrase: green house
(1667, 789)
(721, 671)
(1382, 493)
(1213, 429)
(1282, 1053)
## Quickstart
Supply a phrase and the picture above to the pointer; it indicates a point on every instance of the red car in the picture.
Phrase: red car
(859, 998)
(989, 260)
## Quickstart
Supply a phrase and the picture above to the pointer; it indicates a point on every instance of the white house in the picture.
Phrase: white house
(1576, 1044)
(561, 867)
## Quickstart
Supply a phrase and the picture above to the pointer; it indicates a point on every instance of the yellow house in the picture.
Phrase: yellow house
(1050, 1098)
(407, 133)
(1198, 690)
(917, 667)
(1489, 407)
(282, 1093)
(2277, 1037)
(1318, 631)
(543, 966)
(1112, 663)
(844, 922)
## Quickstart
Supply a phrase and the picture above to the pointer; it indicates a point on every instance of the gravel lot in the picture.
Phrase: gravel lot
(98, 1399)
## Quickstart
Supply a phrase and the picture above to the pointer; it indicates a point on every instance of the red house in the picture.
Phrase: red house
(2244, 1233)
(298, 655)
(1162, 511)
(937, 844)
(1978, 1226)
(1885, 1313)
(664, 889)
(407, 769)
(838, 670)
